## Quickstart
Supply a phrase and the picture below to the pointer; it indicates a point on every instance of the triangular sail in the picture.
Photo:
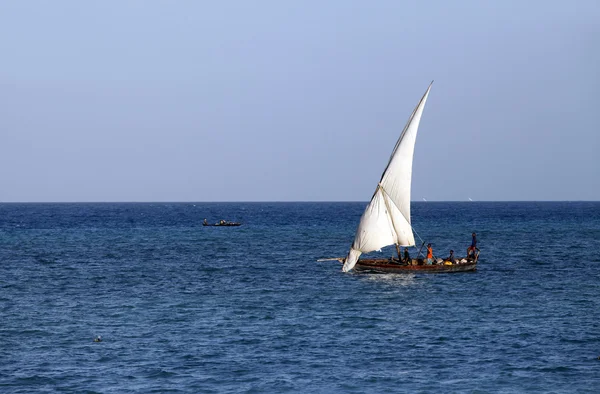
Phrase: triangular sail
(386, 219)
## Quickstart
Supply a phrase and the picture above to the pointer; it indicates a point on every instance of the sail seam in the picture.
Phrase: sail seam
(395, 205)
(399, 210)
(389, 214)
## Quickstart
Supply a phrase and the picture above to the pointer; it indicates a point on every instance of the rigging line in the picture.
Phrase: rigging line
(421, 239)
(414, 231)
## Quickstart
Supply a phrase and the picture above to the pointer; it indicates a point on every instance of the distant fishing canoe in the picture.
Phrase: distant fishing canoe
(222, 223)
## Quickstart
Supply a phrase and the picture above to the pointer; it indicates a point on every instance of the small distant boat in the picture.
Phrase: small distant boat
(221, 223)
(386, 220)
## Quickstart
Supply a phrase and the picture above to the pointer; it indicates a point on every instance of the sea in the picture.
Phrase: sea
(182, 308)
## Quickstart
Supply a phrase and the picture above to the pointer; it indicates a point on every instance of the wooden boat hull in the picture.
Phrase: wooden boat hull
(222, 225)
(387, 266)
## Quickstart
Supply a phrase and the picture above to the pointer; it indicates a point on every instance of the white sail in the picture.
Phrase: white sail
(386, 219)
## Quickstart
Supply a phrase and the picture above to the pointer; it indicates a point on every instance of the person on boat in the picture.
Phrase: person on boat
(429, 254)
(205, 222)
(451, 257)
(406, 257)
(222, 222)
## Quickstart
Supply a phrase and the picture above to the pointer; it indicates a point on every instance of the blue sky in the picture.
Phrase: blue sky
(297, 101)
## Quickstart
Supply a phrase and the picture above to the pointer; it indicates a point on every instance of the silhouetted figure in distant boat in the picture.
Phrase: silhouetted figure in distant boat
(205, 222)
(98, 339)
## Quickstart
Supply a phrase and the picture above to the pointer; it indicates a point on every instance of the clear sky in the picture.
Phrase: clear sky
(297, 100)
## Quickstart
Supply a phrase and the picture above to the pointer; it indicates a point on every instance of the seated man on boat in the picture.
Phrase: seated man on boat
(205, 222)
(451, 258)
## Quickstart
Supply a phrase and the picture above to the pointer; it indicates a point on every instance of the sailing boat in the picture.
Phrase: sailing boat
(386, 220)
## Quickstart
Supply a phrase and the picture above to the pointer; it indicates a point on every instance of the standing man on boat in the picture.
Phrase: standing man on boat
(429, 254)
(471, 249)
(406, 258)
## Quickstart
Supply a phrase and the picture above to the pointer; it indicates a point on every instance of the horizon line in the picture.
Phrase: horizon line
(272, 201)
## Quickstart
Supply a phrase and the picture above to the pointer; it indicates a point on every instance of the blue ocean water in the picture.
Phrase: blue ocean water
(192, 309)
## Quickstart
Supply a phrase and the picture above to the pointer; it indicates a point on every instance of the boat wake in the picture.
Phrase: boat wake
(408, 279)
